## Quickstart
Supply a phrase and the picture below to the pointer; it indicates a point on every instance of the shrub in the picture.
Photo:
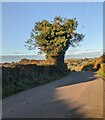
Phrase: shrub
(101, 71)
(21, 77)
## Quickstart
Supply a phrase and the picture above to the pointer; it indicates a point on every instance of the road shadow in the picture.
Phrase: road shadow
(60, 106)
(79, 77)
(44, 101)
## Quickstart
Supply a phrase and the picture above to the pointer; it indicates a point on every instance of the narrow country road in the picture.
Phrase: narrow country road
(78, 95)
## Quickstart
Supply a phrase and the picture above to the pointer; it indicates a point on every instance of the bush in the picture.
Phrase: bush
(21, 77)
(101, 71)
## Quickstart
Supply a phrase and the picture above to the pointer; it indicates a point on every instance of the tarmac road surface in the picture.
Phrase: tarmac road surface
(77, 95)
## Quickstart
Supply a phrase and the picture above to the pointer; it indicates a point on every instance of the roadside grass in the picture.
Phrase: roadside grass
(102, 74)
(101, 71)
(23, 85)
(23, 77)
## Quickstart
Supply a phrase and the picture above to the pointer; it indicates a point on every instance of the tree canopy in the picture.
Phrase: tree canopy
(54, 37)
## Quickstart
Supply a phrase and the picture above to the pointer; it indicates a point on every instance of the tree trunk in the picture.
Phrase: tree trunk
(55, 58)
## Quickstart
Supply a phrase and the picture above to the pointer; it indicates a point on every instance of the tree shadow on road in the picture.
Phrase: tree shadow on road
(79, 77)
(47, 102)
(61, 107)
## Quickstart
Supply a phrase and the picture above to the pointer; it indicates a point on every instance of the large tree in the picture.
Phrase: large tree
(55, 37)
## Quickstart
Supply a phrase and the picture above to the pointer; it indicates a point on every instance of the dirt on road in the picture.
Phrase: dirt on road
(78, 95)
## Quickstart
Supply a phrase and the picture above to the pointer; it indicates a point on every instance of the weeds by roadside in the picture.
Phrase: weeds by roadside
(101, 71)
(17, 78)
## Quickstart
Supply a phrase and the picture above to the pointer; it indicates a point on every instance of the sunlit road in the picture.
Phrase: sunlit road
(78, 95)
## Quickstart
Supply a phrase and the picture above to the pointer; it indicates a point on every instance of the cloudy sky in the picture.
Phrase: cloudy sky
(18, 20)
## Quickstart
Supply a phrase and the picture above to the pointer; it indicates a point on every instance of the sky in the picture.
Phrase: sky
(18, 19)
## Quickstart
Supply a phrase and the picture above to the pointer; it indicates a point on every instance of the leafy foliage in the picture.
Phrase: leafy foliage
(101, 71)
(54, 37)
(28, 74)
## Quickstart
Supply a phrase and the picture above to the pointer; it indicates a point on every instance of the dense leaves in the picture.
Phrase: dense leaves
(54, 37)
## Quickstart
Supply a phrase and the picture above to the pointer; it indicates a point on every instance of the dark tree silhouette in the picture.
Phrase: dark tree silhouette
(55, 37)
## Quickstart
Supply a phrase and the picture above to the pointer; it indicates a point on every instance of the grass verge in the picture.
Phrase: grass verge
(19, 78)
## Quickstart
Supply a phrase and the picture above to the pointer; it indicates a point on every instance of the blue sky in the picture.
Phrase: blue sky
(18, 20)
